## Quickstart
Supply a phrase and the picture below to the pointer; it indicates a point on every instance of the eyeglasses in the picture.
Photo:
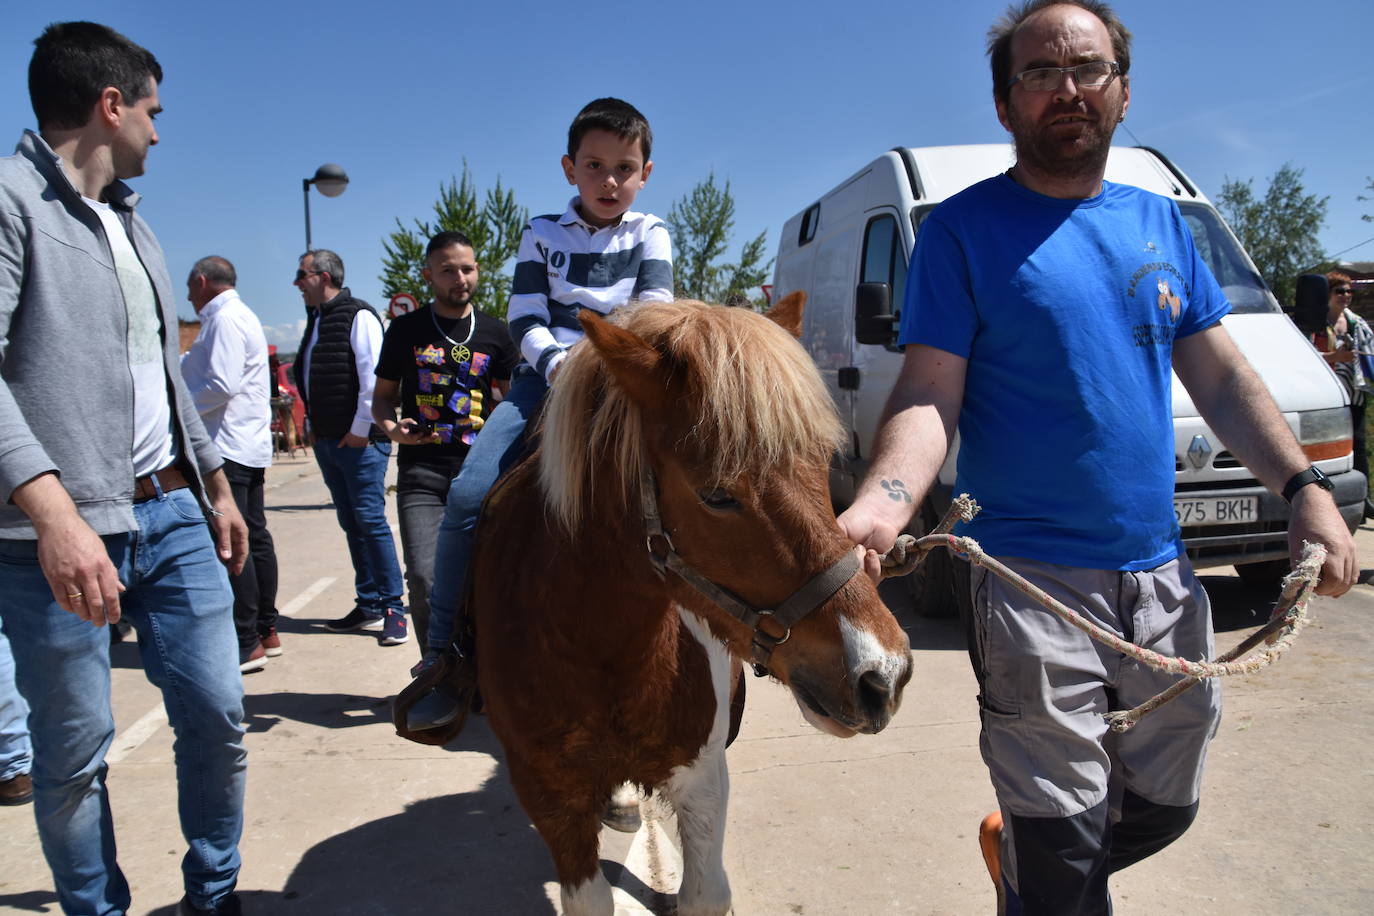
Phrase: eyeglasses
(302, 274)
(1341, 291)
(1093, 75)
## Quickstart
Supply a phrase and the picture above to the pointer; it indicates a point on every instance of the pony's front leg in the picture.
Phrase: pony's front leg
(699, 793)
(571, 827)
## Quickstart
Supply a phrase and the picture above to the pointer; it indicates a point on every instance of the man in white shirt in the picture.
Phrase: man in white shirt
(226, 372)
(336, 374)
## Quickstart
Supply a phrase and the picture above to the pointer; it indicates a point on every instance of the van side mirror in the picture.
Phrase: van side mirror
(1312, 300)
(873, 318)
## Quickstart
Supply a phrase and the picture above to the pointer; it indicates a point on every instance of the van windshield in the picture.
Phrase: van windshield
(1243, 286)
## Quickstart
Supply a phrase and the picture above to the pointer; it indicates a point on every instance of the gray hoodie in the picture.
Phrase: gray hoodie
(66, 395)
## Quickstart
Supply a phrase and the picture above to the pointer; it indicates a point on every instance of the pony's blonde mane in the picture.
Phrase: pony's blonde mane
(759, 401)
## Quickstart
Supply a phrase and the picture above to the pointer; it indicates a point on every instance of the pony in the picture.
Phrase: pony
(674, 520)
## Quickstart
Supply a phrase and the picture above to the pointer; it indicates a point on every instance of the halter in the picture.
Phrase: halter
(784, 617)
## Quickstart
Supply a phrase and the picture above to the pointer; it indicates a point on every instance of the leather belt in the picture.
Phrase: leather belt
(169, 478)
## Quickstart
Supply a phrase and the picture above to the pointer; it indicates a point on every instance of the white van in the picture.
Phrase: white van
(850, 249)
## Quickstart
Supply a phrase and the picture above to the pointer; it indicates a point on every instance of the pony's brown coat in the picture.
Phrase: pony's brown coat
(589, 675)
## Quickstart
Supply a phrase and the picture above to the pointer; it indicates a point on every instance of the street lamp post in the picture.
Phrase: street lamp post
(330, 180)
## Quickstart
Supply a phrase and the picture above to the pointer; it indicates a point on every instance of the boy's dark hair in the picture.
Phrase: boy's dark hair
(1004, 30)
(447, 239)
(620, 118)
(73, 62)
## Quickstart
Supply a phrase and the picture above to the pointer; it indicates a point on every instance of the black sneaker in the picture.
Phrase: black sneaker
(229, 906)
(394, 630)
(357, 619)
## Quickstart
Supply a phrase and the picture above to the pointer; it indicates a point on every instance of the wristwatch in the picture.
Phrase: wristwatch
(1302, 479)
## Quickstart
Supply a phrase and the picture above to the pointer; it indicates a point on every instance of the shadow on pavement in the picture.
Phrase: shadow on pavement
(474, 852)
(305, 507)
(263, 711)
(29, 902)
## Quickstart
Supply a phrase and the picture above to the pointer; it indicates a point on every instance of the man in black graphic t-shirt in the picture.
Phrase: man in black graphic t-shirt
(441, 365)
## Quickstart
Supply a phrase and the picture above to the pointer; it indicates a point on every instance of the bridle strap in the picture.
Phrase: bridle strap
(817, 590)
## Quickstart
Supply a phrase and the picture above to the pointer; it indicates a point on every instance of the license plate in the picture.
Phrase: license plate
(1216, 510)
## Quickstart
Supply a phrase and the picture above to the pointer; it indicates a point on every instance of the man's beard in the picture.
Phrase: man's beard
(1086, 157)
(455, 301)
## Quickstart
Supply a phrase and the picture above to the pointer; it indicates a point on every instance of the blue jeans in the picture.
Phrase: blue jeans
(16, 753)
(356, 481)
(179, 600)
(497, 446)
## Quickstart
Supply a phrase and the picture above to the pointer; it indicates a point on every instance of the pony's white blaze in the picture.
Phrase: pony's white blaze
(699, 792)
(864, 653)
(590, 898)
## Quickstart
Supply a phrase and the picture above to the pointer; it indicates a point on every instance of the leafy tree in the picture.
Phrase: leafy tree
(1280, 229)
(1367, 217)
(494, 228)
(700, 224)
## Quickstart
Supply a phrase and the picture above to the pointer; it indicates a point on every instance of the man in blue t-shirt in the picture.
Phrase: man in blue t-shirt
(1045, 310)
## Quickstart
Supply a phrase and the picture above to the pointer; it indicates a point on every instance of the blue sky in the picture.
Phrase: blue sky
(782, 99)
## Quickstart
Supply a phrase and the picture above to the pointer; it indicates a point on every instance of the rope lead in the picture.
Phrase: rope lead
(1287, 620)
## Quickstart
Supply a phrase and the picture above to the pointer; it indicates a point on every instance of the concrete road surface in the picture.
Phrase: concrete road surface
(345, 818)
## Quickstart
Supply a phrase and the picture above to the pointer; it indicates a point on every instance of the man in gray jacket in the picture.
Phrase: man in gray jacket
(107, 478)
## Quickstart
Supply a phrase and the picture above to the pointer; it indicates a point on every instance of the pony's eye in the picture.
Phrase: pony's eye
(718, 499)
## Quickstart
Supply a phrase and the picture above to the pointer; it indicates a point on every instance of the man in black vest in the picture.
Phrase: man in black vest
(335, 372)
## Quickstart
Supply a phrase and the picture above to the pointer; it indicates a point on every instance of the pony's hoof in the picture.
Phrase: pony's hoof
(624, 818)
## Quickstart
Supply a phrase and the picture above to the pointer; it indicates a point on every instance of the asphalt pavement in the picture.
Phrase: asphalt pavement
(345, 818)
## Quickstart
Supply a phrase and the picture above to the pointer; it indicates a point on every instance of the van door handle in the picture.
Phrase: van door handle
(848, 378)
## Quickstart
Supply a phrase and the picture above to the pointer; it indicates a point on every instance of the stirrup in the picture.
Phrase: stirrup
(458, 673)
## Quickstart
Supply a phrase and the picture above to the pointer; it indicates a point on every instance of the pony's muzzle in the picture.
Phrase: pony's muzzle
(879, 693)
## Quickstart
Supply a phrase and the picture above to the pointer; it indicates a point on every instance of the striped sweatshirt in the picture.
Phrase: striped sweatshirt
(565, 264)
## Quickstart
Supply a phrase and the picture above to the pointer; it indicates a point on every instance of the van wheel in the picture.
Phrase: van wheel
(1267, 575)
(939, 586)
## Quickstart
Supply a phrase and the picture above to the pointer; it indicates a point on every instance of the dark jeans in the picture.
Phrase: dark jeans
(421, 494)
(255, 589)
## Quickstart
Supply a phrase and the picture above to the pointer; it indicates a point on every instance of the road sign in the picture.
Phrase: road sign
(401, 304)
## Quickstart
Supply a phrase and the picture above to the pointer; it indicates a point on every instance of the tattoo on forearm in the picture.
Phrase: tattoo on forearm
(896, 490)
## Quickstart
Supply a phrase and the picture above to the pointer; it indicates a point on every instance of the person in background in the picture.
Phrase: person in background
(440, 365)
(16, 751)
(227, 374)
(335, 374)
(1346, 339)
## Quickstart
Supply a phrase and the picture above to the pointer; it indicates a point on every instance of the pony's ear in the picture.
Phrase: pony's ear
(788, 312)
(637, 367)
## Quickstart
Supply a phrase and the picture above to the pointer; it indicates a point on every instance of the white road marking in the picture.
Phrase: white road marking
(305, 597)
(135, 735)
